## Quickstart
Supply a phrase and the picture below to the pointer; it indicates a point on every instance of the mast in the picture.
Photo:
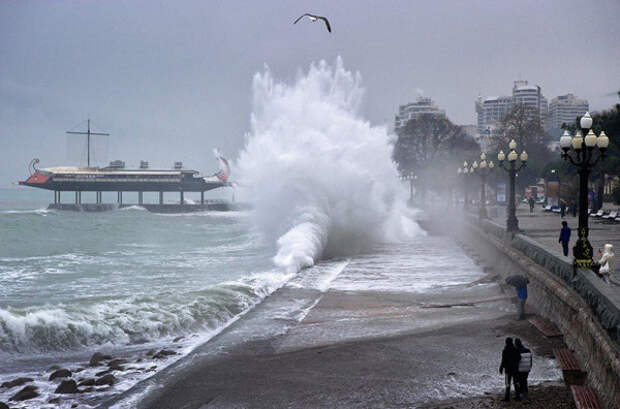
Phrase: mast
(88, 133)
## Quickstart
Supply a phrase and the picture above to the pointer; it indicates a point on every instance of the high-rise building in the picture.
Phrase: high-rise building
(492, 110)
(564, 109)
(423, 105)
(531, 97)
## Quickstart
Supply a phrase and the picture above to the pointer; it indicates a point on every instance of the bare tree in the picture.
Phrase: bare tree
(522, 123)
(427, 143)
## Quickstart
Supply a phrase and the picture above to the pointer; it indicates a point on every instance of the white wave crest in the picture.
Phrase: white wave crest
(131, 320)
(321, 177)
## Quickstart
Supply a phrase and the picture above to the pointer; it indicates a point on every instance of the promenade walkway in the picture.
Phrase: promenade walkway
(544, 227)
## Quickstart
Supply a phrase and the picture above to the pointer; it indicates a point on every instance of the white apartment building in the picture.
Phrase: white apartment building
(423, 105)
(491, 110)
(563, 109)
(530, 96)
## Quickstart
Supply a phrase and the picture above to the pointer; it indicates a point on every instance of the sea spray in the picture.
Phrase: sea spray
(320, 176)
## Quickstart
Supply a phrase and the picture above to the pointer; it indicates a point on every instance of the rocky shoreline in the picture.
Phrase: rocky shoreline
(84, 383)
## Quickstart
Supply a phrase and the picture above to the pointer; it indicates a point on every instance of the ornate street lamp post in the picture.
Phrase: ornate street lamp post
(411, 177)
(483, 170)
(465, 172)
(512, 223)
(582, 156)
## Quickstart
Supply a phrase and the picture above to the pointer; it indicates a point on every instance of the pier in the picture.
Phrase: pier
(76, 203)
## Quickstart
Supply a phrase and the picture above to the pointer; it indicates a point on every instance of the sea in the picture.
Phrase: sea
(129, 281)
(328, 212)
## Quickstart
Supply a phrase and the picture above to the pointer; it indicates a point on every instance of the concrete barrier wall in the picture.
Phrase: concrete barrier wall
(576, 301)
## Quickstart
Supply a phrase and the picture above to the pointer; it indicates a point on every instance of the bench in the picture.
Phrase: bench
(571, 370)
(547, 208)
(610, 218)
(584, 397)
(547, 328)
(600, 213)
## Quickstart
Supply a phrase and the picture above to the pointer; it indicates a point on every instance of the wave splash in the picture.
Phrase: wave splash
(320, 176)
(131, 320)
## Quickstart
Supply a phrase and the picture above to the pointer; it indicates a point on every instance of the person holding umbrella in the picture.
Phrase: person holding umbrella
(520, 283)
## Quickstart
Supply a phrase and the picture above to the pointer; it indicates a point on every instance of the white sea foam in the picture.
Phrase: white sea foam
(322, 179)
(41, 212)
(132, 207)
(132, 319)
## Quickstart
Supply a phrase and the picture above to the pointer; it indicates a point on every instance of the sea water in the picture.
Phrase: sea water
(328, 213)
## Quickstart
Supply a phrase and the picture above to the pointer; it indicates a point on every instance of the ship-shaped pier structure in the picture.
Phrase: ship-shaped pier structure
(116, 178)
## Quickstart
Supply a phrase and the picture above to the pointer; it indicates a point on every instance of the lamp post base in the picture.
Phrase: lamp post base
(583, 250)
(512, 224)
(483, 213)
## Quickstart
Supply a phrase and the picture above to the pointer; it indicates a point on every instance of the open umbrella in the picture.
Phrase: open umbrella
(517, 280)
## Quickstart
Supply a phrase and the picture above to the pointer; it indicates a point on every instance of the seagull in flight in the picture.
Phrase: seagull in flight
(314, 18)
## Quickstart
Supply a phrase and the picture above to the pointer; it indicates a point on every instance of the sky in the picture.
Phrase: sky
(171, 80)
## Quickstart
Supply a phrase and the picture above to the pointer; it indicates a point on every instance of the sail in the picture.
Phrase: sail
(224, 173)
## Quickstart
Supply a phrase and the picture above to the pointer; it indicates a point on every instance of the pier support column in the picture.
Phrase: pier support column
(98, 197)
(140, 199)
(80, 197)
(59, 197)
(120, 198)
(202, 198)
(55, 197)
(161, 198)
(182, 200)
(76, 198)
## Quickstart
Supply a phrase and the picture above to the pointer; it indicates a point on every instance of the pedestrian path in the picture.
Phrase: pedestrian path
(544, 227)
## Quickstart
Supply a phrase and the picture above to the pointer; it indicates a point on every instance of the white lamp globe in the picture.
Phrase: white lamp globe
(475, 165)
(577, 141)
(512, 145)
(586, 121)
(524, 156)
(602, 141)
(465, 164)
(512, 156)
(458, 172)
(501, 156)
(483, 156)
(590, 139)
(483, 164)
(491, 165)
(565, 140)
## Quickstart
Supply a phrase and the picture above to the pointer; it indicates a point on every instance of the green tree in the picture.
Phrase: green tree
(608, 121)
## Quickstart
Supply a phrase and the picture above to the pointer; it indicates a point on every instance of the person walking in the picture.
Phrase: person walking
(525, 366)
(564, 237)
(562, 208)
(521, 298)
(532, 202)
(573, 207)
(509, 368)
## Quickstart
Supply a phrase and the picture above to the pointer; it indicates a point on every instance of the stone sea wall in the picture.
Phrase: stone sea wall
(584, 308)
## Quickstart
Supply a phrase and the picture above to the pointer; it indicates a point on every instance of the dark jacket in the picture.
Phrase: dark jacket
(510, 360)
(564, 235)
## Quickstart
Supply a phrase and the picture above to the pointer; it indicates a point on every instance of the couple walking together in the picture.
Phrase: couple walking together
(516, 364)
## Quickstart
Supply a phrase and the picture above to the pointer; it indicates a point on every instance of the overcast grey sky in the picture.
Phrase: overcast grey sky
(171, 79)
